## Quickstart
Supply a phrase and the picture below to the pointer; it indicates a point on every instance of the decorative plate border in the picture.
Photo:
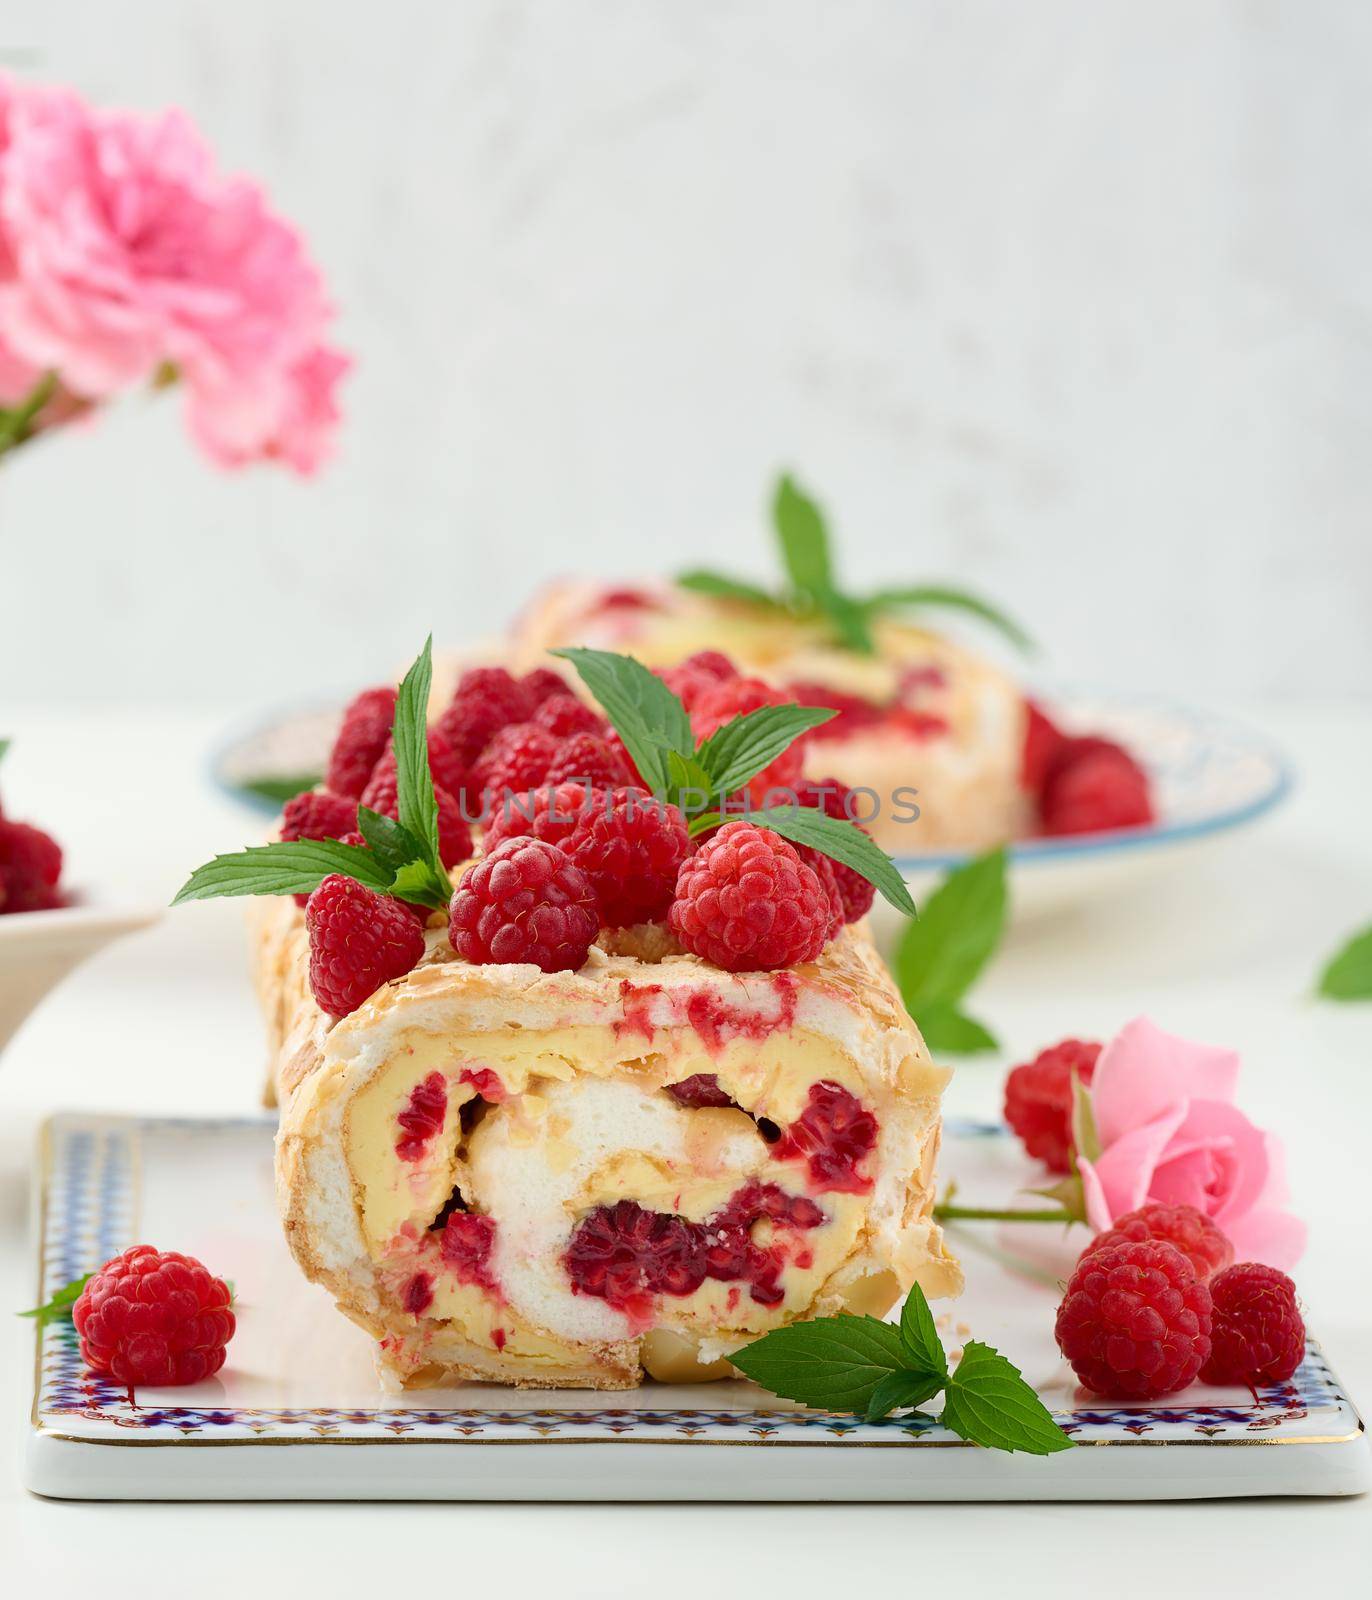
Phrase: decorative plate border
(88, 1200)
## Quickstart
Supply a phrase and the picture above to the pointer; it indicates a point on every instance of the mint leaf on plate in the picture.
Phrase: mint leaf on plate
(923, 1347)
(900, 1390)
(1348, 975)
(59, 1307)
(834, 1363)
(953, 1032)
(277, 790)
(282, 868)
(987, 1402)
(841, 839)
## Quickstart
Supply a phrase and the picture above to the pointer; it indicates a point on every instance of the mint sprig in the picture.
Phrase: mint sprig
(812, 589)
(59, 1307)
(940, 957)
(399, 858)
(872, 1368)
(4, 746)
(700, 779)
(1348, 973)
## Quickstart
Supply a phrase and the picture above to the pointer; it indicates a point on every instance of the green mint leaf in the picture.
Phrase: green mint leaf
(849, 620)
(839, 838)
(418, 883)
(949, 1031)
(688, 783)
(744, 745)
(923, 1347)
(393, 846)
(59, 1308)
(4, 746)
(902, 1389)
(719, 586)
(958, 599)
(834, 1363)
(278, 790)
(414, 787)
(1348, 976)
(939, 956)
(645, 713)
(989, 1403)
(804, 541)
(281, 868)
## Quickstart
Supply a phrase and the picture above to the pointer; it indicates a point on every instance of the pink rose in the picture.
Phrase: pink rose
(130, 251)
(1169, 1131)
(288, 416)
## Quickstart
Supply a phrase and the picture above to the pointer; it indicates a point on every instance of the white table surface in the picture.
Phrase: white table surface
(1225, 949)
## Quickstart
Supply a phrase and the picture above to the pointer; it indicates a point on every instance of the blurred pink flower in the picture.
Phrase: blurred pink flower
(286, 416)
(1169, 1130)
(125, 255)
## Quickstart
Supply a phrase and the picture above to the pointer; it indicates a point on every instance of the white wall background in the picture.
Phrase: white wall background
(1070, 300)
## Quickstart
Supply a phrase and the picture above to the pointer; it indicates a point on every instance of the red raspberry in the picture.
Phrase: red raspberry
(358, 940)
(823, 868)
(1258, 1336)
(1043, 747)
(1135, 1321)
(1183, 1227)
(699, 673)
(486, 700)
(541, 684)
(317, 814)
(631, 847)
(834, 1134)
(1038, 1100)
(833, 799)
(517, 758)
(30, 868)
(154, 1317)
(747, 902)
(446, 771)
(525, 901)
(734, 699)
(563, 715)
(590, 758)
(361, 739)
(549, 813)
(454, 836)
(1093, 786)
(856, 714)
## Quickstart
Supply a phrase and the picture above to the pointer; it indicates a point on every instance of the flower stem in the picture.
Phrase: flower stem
(952, 1213)
(16, 425)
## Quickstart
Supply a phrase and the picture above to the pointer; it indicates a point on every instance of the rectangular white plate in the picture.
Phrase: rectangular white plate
(297, 1413)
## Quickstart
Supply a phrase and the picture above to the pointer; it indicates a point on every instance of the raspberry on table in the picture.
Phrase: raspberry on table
(516, 759)
(1186, 1228)
(592, 759)
(833, 799)
(1258, 1334)
(1038, 1100)
(1135, 1321)
(362, 737)
(734, 698)
(154, 1317)
(630, 845)
(454, 836)
(486, 700)
(1094, 785)
(30, 868)
(525, 901)
(358, 940)
(745, 901)
(563, 715)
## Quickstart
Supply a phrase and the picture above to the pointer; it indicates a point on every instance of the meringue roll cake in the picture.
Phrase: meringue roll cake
(575, 1178)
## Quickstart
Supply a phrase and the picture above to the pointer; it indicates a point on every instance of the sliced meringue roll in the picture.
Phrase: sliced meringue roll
(566, 1180)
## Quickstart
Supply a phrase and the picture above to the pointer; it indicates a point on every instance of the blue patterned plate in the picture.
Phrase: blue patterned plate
(300, 1375)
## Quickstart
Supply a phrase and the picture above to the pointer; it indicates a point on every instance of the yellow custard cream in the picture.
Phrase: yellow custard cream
(570, 1179)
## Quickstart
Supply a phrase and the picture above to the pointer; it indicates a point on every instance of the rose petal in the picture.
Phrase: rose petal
(1273, 1237)
(1124, 1171)
(1143, 1072)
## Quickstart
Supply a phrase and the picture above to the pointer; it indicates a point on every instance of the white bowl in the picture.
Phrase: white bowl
(39, 948)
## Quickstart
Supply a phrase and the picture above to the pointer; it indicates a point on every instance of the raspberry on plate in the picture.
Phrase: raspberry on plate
(358, 940)
(832, 798)
(1135, 1321)
(516, 759)
(30, 868)
(745, 901)
(1189, 1230)
(734, 698)
(631, 846)
(1258, 1334)
(1094, 785)
(563, 715)
(590, 758)
(525, 901)
(486, 700)
(362, 737)
(154, 1317)
(454, 836)
(1038, 1100)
